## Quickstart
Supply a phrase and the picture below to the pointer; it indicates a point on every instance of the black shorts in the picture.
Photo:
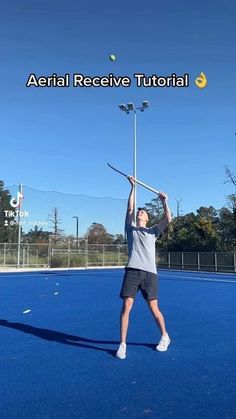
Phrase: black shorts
(135, 280)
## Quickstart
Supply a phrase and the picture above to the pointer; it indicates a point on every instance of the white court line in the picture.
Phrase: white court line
(164, 274)
(181, 271)
(182, 278)
(46, 271)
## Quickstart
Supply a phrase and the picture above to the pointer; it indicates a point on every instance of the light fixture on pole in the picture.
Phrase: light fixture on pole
(130, 107)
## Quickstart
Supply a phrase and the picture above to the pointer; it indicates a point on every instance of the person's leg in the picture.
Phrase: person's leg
(158, 316)
(128, 291)
(165, 339)
(124, 322)
(124, 317)
(149, 287)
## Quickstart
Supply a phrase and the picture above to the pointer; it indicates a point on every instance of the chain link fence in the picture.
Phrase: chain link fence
(68, 253)
(25, 255)
(198, 261)
(62, 252)
(87, 255)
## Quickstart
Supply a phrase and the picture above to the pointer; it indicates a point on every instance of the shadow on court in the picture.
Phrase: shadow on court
(64, 338)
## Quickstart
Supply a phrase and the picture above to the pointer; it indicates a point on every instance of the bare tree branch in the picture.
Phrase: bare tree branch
(231, 178)
(55, 220)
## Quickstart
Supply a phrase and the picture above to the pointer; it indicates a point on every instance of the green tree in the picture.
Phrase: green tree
(36, 236)
(8, 228)
(207, 230)
(227, 225)
(192, 232)
(227, 229)
(207, 222)
(155, 211)
(118, 239)
(231, 200)
(97, 234)
(183, 236)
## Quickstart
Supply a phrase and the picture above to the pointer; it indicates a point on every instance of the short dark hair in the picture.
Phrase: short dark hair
(142, 209)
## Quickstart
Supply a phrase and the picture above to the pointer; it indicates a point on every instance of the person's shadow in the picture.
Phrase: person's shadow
(60, 337)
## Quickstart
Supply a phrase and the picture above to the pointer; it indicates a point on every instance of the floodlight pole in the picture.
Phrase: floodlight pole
(135, 163)
(19, 226)
(128, 108)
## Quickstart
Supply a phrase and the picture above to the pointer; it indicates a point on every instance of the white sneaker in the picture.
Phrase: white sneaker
(121, 353)
(164, 343)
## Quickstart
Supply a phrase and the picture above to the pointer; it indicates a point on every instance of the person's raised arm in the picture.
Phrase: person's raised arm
(167, 214)
(130, 206)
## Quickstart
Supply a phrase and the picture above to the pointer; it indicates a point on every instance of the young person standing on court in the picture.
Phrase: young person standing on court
(140, 271)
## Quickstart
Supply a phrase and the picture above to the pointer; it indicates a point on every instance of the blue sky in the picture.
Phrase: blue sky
(55, 139)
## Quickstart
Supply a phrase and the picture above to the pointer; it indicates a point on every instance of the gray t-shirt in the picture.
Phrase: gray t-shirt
(141, 247)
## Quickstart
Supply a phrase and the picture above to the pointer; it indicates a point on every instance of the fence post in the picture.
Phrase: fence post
(68, 259)
(27, 255)
(49, 253)
(118, 254)
(103, 256)
(198, 261)
(4, 255)
(23, 257)
(169, 260)
(215, 261)
(86, 252)
(37, 257)
(182, 260)
(234, 262)
(18, 254)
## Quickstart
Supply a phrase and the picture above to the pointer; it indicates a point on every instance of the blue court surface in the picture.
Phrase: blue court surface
(58, 359)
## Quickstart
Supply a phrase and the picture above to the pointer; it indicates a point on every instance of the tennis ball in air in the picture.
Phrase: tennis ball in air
(112, 57)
